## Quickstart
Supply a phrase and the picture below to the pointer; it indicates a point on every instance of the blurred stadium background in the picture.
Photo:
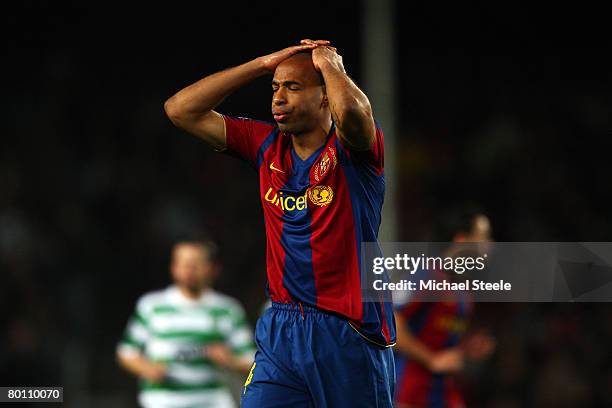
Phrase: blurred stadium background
(503, 107)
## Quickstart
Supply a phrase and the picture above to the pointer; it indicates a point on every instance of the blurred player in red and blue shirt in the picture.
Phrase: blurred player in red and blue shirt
(321, 180)
(431, 336)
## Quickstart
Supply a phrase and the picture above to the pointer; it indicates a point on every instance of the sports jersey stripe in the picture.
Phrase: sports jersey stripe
(417, 318)
(172, 349)
(192, 310)
(209, 397)
(197, 362)
(385, 324)
(182, 387)
(182, 323)
(335, 267)
(265, 145)
(138, 318)
(202, 336)
(137, 332)
(373, 315)
(420, 317)
(435, 397)
(347, 171)
(454, 336)
(240, 338)
(131, 341)
(298, 274)
(275, 251)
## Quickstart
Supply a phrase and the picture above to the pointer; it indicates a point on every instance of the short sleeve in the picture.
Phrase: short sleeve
(135, 335)
(237, 331)
(245, 137)
(376, 154)
(373, 157)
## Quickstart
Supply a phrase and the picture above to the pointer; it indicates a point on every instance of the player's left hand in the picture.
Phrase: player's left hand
(321, 43)
(325, 55)
(479, 345)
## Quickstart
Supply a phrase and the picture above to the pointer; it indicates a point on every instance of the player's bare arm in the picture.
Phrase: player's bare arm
(142, 367)
(349, 106)
(221, 354)
(192, 108)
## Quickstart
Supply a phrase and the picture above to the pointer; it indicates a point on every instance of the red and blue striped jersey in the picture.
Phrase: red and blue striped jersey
(317, 213)
(439, 325)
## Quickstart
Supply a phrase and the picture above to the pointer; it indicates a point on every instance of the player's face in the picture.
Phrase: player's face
(481, 231)
(298, 96)
(190, 267)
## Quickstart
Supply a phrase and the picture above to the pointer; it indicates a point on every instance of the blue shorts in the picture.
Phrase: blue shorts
(308, 358)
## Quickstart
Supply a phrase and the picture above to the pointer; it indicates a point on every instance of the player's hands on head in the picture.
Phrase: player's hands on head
(447, 361)
(325, 55)
(325, 52)
(319, 43)
(154, 372)
(270, 62)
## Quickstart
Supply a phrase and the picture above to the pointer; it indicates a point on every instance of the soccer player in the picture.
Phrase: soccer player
(431, 336)
(180, 339)
(321, 180)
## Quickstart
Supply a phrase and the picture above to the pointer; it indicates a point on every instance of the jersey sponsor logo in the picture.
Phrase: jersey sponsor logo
(275, 168)
(319, 195)
(189, 353)
(285, 202)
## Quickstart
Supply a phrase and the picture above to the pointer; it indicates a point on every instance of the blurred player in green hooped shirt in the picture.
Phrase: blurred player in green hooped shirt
(180, 339)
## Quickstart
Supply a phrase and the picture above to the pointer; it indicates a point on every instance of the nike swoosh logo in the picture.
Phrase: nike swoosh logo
(274, 168)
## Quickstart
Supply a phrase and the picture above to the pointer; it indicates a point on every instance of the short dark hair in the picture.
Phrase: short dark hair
(456, 221)
(210, 247)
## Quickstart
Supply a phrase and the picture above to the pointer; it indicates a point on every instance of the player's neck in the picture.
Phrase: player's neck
(192, 294)
(307, 143)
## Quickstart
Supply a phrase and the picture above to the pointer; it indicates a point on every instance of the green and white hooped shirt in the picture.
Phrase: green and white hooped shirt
(171, 328)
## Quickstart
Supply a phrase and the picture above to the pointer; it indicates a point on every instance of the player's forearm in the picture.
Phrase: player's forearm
(202, 97)
(141, 367)
(350, 107)
(241, 365)
(136, 364)
(409, 345)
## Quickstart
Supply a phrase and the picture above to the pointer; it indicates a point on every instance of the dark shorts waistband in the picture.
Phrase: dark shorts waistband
(299, 307)
(303, 309)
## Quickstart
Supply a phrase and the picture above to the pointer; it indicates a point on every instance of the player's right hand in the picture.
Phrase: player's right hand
(270, 62)
(322, 43)
(447, 361)
(154, 372)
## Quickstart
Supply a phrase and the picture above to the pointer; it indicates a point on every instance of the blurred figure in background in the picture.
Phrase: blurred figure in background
(431, 337)
(181, 338)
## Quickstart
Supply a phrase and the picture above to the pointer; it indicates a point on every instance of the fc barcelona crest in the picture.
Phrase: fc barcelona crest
(329, 159)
